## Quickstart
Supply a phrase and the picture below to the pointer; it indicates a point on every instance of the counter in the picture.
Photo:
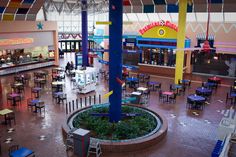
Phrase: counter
(25, 66)
(158, 69)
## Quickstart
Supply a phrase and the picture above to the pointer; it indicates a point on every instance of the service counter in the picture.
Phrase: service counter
(158, 69)
(12, 68)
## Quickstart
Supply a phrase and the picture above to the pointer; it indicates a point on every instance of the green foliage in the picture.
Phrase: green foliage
(127, 128)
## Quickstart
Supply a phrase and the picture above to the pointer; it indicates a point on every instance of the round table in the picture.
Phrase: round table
(214, 79)
(203, 91)
(196, 101)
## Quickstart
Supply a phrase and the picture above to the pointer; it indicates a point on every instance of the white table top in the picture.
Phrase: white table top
(136, 93)
(142, 89)
(58, 83)
(5, 111)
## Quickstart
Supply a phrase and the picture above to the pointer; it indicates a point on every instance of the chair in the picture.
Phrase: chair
(29, 103)
(171, 88)
(39, 106)
(228, 97)
(161, 96)
(70, 140)
(18, 100)
(173, 98)
(62, 98)
(189, 83)
(147, 78)
(158, 87)
(94, 148)
(200, 105)
(9, 98)
(12, 149)
(147, 93)
(9, 117)
(189, 104)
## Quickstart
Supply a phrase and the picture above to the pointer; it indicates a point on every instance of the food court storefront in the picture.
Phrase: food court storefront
(158, 42)
(26, 45)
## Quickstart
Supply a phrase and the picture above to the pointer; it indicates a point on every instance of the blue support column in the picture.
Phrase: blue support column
(84, 19)
(115, 58)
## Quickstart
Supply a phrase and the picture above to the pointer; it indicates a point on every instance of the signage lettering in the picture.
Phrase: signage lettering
(161, 23)
(16, 41)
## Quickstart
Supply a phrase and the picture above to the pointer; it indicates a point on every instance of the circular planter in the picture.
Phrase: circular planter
(142, 142)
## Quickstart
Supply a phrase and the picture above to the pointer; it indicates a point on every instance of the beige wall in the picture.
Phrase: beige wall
(31, 26)
(26, 26)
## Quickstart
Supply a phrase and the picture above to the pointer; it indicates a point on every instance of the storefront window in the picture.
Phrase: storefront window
(164, 57)
(24, 56)
(214, 63)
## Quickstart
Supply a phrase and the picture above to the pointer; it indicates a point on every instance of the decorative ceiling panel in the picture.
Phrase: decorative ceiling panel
(15, 9)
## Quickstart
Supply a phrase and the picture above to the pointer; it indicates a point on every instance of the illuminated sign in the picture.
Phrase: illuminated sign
(160, 23)
(16, 41)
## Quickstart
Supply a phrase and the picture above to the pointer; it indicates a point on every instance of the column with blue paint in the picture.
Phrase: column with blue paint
(84, 15)
(115, 58)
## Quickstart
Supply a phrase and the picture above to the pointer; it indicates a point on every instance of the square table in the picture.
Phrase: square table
(34, 102)
(152, 84)
(142, 89)
(177, 87)
(214, 79)
(196, 99)
(132, 81)
(167, 95)
(137, 95)
(58, 84)
(22, 152)
(13, 96)
(4, 113)
(57, 95)
(36, 90)
(203, 91)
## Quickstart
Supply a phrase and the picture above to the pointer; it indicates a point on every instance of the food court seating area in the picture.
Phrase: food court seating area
(178, 104)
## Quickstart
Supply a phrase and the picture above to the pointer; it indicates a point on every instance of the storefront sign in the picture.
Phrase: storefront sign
(16, 41)
(160, 23)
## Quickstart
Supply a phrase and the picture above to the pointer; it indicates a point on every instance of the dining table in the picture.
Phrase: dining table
(132, 81)
(57, 96)
(34, 102)
(196, 99)
(214, 79)
(5, 112)
(37, 90)
(203, 91)
(167, 94)
(58, 84)
(178, 87)
(142, 89)
(22, 152)
(152, 84)
(233, 95)
(14, 96)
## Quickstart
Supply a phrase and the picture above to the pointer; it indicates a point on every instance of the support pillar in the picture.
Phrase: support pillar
(115, 58)
(84, 12)
(180, 40)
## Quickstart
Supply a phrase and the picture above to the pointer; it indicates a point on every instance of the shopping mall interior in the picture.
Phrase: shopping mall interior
(112, 78)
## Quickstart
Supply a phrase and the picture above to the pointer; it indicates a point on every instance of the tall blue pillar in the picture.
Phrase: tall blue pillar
(115, 58)
(84, 15)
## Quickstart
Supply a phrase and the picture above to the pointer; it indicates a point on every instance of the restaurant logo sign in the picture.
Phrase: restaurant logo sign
(159, 23)
(16, 41)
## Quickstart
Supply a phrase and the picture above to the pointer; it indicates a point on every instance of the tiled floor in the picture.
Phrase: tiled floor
(189, 135)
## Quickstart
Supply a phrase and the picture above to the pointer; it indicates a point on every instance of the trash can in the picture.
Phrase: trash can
(81, 139)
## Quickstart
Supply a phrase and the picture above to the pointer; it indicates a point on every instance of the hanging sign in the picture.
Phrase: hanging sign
(16, 41)
(159, 23)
